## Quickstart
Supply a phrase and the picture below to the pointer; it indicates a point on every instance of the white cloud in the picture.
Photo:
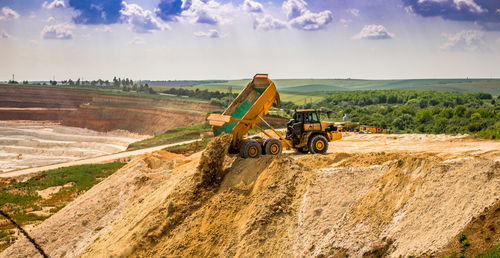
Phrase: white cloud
(409, 10)
(137, 41)
(8, 14)
(468, 40)
(54, 4)
(459, 4)
(354, 12)
(250, 6)
(268, 22)
(374, 32)
(300, 17)
(470, 4)
(51, 19)
(209, 34)
(142, 21)
(294, 8)
(58, 31)
(5, 35)
(209, 12)
(312, 21)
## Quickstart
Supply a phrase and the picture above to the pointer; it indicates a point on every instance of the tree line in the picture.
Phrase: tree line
(215, 97)
(419, 111)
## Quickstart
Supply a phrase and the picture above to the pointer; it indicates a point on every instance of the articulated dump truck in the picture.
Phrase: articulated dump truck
(305, 131)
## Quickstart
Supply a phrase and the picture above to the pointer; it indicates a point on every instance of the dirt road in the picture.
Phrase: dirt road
(96, 160)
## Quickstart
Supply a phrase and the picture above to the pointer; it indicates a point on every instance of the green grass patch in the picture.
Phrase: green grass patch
(83, 176)
(492, 253)
(179, 134)
(21, 200)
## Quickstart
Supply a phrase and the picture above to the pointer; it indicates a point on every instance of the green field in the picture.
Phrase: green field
(491, 86)
(300, 91)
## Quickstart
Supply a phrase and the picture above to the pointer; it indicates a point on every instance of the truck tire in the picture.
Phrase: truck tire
(318, 144)
(250, 149)
(272, 146)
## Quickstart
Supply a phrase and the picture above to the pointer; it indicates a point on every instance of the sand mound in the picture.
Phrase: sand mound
(69, 232)
(345, 203)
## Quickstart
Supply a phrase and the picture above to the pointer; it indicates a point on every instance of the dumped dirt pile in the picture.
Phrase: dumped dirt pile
(71, 230)
(369, 203)
(411, 205)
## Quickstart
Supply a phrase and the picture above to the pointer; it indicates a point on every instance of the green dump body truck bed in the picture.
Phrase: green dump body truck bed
(243, 113)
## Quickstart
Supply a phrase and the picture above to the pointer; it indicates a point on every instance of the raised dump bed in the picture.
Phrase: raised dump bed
(305, 132)
(246, 110)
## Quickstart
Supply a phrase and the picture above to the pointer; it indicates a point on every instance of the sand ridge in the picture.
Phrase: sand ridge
(356, 201)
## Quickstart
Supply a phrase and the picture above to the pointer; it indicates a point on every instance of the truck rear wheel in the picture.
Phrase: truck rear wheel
(272, 146)
(250, 149)
(318, 144)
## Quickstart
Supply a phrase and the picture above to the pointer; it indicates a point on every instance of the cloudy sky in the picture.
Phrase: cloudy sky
(230, 39)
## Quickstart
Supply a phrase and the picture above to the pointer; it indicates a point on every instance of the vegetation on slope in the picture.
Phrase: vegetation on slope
(23, 202)
(179, 134)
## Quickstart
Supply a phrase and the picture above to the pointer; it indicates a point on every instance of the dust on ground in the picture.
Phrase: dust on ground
(412, 196)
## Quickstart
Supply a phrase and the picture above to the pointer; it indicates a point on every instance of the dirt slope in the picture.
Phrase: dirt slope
(393, 202)
(93, 110)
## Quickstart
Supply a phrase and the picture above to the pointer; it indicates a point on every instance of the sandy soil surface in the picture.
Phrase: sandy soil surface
(31, 144)
(378, 195)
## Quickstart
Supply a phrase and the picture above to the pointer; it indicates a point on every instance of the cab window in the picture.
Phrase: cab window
(312, 118)
(298, 118)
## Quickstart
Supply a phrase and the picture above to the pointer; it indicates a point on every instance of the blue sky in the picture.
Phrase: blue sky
(221, 39)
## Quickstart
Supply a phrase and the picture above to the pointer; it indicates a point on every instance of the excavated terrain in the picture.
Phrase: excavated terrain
(92, 110)
(372, 195)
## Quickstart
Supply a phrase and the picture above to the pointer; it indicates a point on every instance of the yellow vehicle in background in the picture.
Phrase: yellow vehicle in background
(371, 129)
(305, 132)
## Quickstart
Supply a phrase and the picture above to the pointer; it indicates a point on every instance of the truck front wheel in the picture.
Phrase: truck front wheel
(250, 149)
(272, 147)
(318, 144)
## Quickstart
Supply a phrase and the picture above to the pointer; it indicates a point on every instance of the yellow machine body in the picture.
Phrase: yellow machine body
(247, 111)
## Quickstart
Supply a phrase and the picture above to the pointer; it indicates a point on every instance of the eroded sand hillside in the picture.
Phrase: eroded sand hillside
(411, 196)
(25, 144)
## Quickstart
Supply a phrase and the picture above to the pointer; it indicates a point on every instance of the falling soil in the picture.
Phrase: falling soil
(392, 202)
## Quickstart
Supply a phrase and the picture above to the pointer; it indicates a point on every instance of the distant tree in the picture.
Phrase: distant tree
(71, 82)
(78, 82)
